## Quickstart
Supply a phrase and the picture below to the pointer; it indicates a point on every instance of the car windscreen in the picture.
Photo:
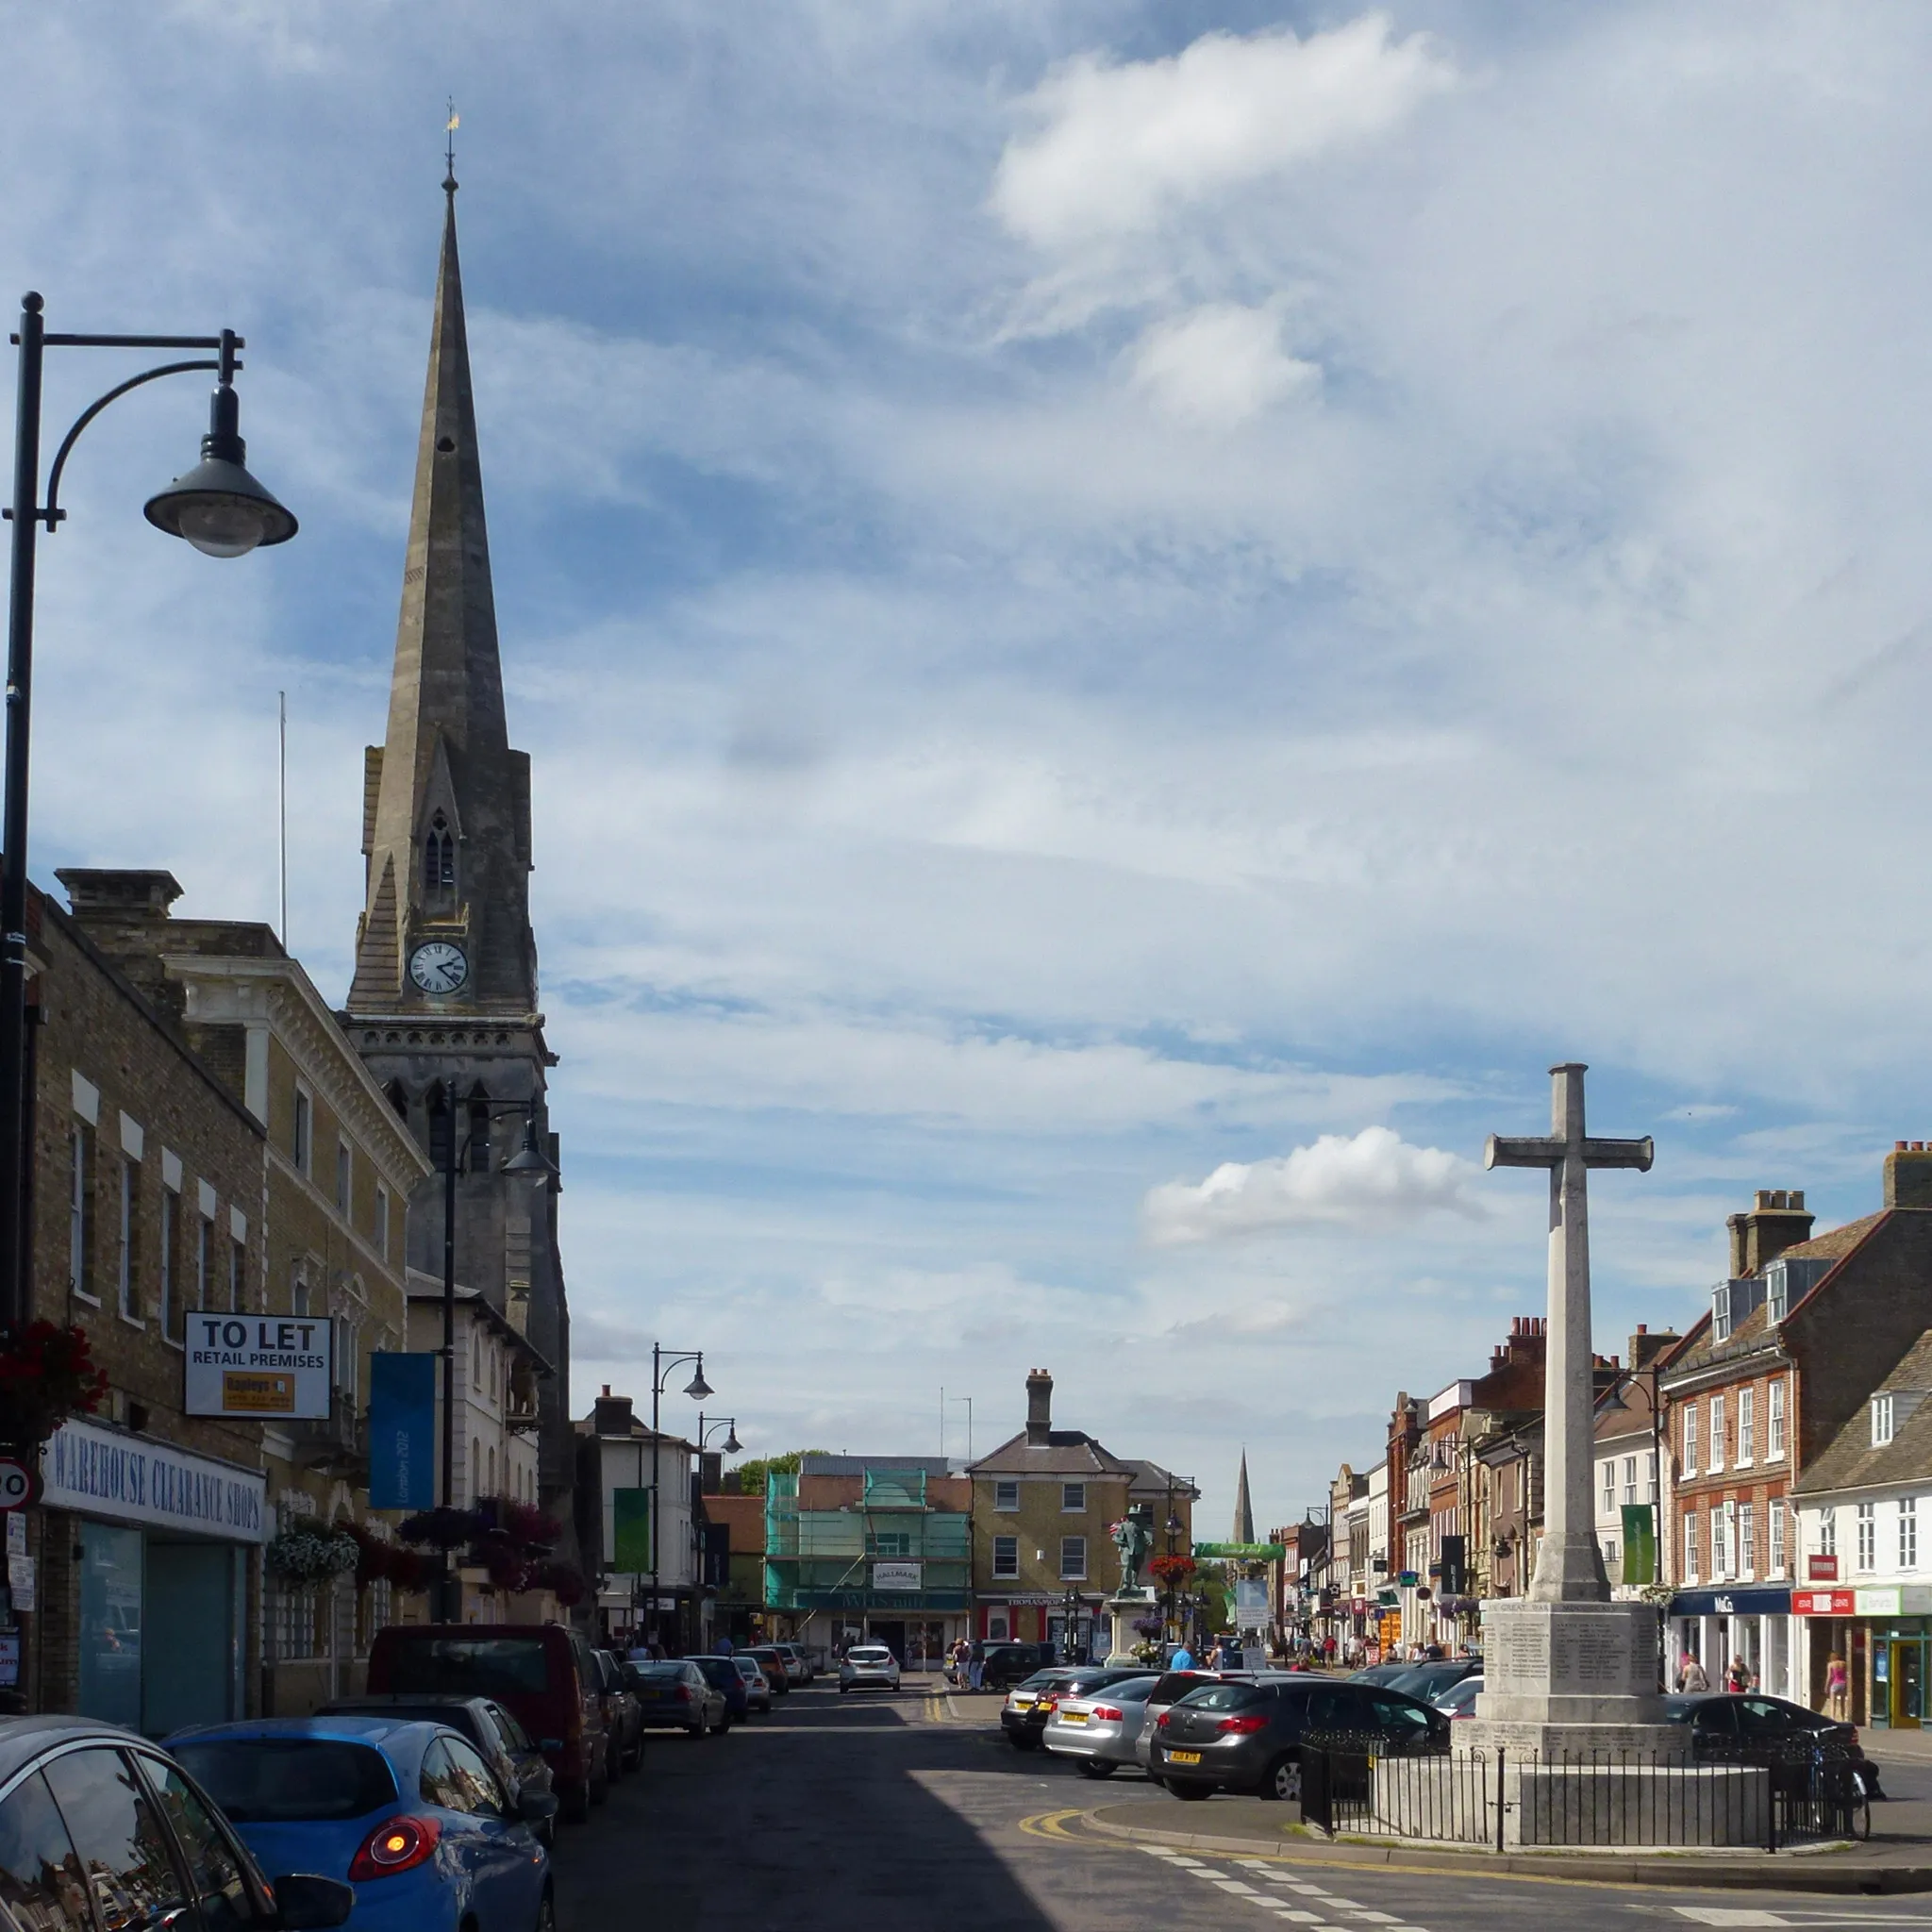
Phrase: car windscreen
(669, 1670)
(286, 1780)
(469, 1666)
(718, 1670)
(870, 1657)
(1226, 1696)
(1040, 1680)
(1176, 1685)
(1130, 1691)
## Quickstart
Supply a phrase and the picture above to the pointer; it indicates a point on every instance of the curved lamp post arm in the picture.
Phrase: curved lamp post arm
(50, 513)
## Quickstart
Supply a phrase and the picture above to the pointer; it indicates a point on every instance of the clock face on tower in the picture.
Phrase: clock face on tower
(438, 967)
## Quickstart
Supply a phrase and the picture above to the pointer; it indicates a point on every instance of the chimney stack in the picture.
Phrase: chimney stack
(1039, 1409)
(1908, 1175)
(1777, 1219)
(1645, 1347)
(611, 1414)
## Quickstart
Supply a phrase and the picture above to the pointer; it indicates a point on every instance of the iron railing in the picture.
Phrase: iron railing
(1763, 1795)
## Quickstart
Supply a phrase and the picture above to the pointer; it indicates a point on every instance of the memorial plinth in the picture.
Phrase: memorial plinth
(1121, 1612)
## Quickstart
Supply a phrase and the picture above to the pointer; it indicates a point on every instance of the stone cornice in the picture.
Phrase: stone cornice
(227, 990)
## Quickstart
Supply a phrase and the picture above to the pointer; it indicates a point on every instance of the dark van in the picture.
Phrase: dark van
(542, 1673)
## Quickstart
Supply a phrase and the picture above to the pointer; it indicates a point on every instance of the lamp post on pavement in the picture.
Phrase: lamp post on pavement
(456, 1153)
(662, 1363)
(217, 507)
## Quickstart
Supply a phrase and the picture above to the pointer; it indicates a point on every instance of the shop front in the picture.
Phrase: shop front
(145, 1610)
(1895, 1621)
(1748, 1625)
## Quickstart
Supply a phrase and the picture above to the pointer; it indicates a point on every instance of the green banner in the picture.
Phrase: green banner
(630, 1524)
(1640, 1542)
(1241, 1553)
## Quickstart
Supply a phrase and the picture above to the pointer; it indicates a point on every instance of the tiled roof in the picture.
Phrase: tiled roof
(1065, 1452)
(1850, 1461)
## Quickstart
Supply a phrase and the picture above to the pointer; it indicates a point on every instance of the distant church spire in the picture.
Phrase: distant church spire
(1243, 1509)
(446, 802)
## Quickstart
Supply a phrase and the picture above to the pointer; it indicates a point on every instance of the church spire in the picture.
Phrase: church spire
(446, 802)
(1243, 1509)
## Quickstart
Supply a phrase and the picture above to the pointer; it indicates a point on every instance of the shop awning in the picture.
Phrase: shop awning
(1732, 1603)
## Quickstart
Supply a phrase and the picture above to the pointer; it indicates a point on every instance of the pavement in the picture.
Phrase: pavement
(909, 1810)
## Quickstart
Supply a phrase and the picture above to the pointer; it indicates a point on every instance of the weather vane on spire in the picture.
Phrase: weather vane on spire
(449, 147)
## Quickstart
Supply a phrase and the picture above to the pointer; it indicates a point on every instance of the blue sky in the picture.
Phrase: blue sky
(1100, 594)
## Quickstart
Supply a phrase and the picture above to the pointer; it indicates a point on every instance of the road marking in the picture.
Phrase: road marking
(1237, 1886)
(1731, 1915)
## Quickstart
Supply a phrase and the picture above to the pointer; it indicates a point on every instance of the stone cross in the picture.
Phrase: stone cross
(1569, 1566)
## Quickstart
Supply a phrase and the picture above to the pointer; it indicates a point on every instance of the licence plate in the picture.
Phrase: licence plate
(1022, 1703)
(1184, 1758)
(1072, 1716)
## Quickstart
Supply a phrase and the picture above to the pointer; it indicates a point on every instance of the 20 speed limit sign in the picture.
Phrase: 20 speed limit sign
(18, 1484)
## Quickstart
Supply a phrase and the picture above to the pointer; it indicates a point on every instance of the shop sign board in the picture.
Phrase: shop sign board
(1824, 1603)
(101, 1472)
(1894, 1600)
(262, 1367)
(1820, 1568)
(898, 1577)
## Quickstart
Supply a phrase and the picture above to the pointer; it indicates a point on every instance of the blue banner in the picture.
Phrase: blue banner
(401, 1431)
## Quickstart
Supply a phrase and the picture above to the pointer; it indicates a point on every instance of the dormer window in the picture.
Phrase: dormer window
(439, 856)
(1721, 1311)
(1882, 1421)
(1777, 1292)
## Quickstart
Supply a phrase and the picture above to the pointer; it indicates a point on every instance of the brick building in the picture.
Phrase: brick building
(145, 1198)
(1794, 1343)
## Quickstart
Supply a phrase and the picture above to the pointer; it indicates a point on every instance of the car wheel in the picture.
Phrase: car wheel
(546, 1913)
(1283, 1781)
(1189, 1791)
(1096, 1767)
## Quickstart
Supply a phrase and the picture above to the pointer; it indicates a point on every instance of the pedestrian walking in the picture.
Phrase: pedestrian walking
(1739, 1677)
(1838, 1686)
(975, 1671)
(1182, 1660)
(1691, 1675)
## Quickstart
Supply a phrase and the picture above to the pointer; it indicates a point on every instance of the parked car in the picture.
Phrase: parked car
(408, 1813)
(1169, 1690)
(1381, 1674)
(1245, 1735)
(624, 1716)
(542, 1673)
(1458, 1701)
(868, 1665)
(1428, 1681)
(1098, 1728)
(757, 1687)
(1004, 1665)
(1728, 1725)
(84, 1804)
(776, 1673)
(505, 1744)
(677, 1696)
(798, 1663)
(723, 1674)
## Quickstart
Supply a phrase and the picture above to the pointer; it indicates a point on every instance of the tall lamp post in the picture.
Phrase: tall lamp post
(217, 507)
(662, 1361)
(456, 1153)
(729, 1446)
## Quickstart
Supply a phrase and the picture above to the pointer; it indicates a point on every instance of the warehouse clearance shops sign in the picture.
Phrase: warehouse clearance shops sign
(258, 1365)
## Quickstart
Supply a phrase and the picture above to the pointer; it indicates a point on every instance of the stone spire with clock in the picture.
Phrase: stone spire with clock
(443, 1003)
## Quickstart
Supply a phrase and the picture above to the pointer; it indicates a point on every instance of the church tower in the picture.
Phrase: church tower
(443, 1003)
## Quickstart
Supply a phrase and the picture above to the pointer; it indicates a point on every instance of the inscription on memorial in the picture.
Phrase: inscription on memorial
(1520, 1646)
(1595, 1657)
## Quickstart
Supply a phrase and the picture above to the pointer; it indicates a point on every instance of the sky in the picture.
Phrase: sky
(1129, 618)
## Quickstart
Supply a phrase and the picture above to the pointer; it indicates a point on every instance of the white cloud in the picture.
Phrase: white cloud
(1219, 364)
(1375, 1180)
(1116, 147)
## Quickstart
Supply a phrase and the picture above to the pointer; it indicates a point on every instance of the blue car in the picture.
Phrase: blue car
(721, 1674)
(407, 1813)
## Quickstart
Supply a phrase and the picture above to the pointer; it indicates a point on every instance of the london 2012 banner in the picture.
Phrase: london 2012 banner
(401, 1431)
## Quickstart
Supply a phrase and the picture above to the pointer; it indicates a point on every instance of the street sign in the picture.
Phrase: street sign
(19, 1484)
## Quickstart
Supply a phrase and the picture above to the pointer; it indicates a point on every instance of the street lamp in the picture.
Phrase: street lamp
(730, 1445)
(662, 1363)
(221, 510)
(442, 1134)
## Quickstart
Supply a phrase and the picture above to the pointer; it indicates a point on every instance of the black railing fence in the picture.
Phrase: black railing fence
(1765, 1797)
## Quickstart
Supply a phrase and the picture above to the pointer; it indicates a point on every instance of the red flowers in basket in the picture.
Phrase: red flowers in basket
(47, 1373)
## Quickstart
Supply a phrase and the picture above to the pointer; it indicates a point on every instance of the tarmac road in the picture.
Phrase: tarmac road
(885, 1813)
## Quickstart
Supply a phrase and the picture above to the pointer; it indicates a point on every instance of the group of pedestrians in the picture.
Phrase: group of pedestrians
(1692, 1677)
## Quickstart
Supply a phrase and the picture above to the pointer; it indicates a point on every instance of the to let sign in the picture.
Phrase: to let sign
(259, 1366)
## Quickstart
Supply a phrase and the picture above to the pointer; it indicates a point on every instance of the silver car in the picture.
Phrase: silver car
(868, 1665)
(1099, 1732)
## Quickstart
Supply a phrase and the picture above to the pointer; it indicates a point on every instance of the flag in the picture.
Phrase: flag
(1640, 1542)
(630, 1531)
(401, 1431)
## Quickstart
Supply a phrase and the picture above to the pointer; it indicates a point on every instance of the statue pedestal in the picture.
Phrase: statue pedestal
(1123, 1611)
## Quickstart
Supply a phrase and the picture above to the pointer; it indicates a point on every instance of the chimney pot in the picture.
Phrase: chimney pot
(1644, 1328)
(1798, 1197)
(607, 1389)
(1898, 1146)
(1763, 1198)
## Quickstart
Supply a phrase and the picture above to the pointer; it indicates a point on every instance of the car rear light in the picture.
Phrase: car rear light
(1242, 1727)
(684, 1693)
(1108, 1713)
(1161, 1722)
(394, 1846)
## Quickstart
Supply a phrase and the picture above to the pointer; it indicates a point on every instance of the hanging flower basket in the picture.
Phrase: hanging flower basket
(564, 1581)
(308, 1556)
(47, 1373)
(443, 1529)
(1171, 1569)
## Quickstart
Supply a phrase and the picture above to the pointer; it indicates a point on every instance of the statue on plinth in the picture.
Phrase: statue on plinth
(1133, 1537)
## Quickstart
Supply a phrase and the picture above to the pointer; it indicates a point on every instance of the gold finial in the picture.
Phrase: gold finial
(449, 147)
